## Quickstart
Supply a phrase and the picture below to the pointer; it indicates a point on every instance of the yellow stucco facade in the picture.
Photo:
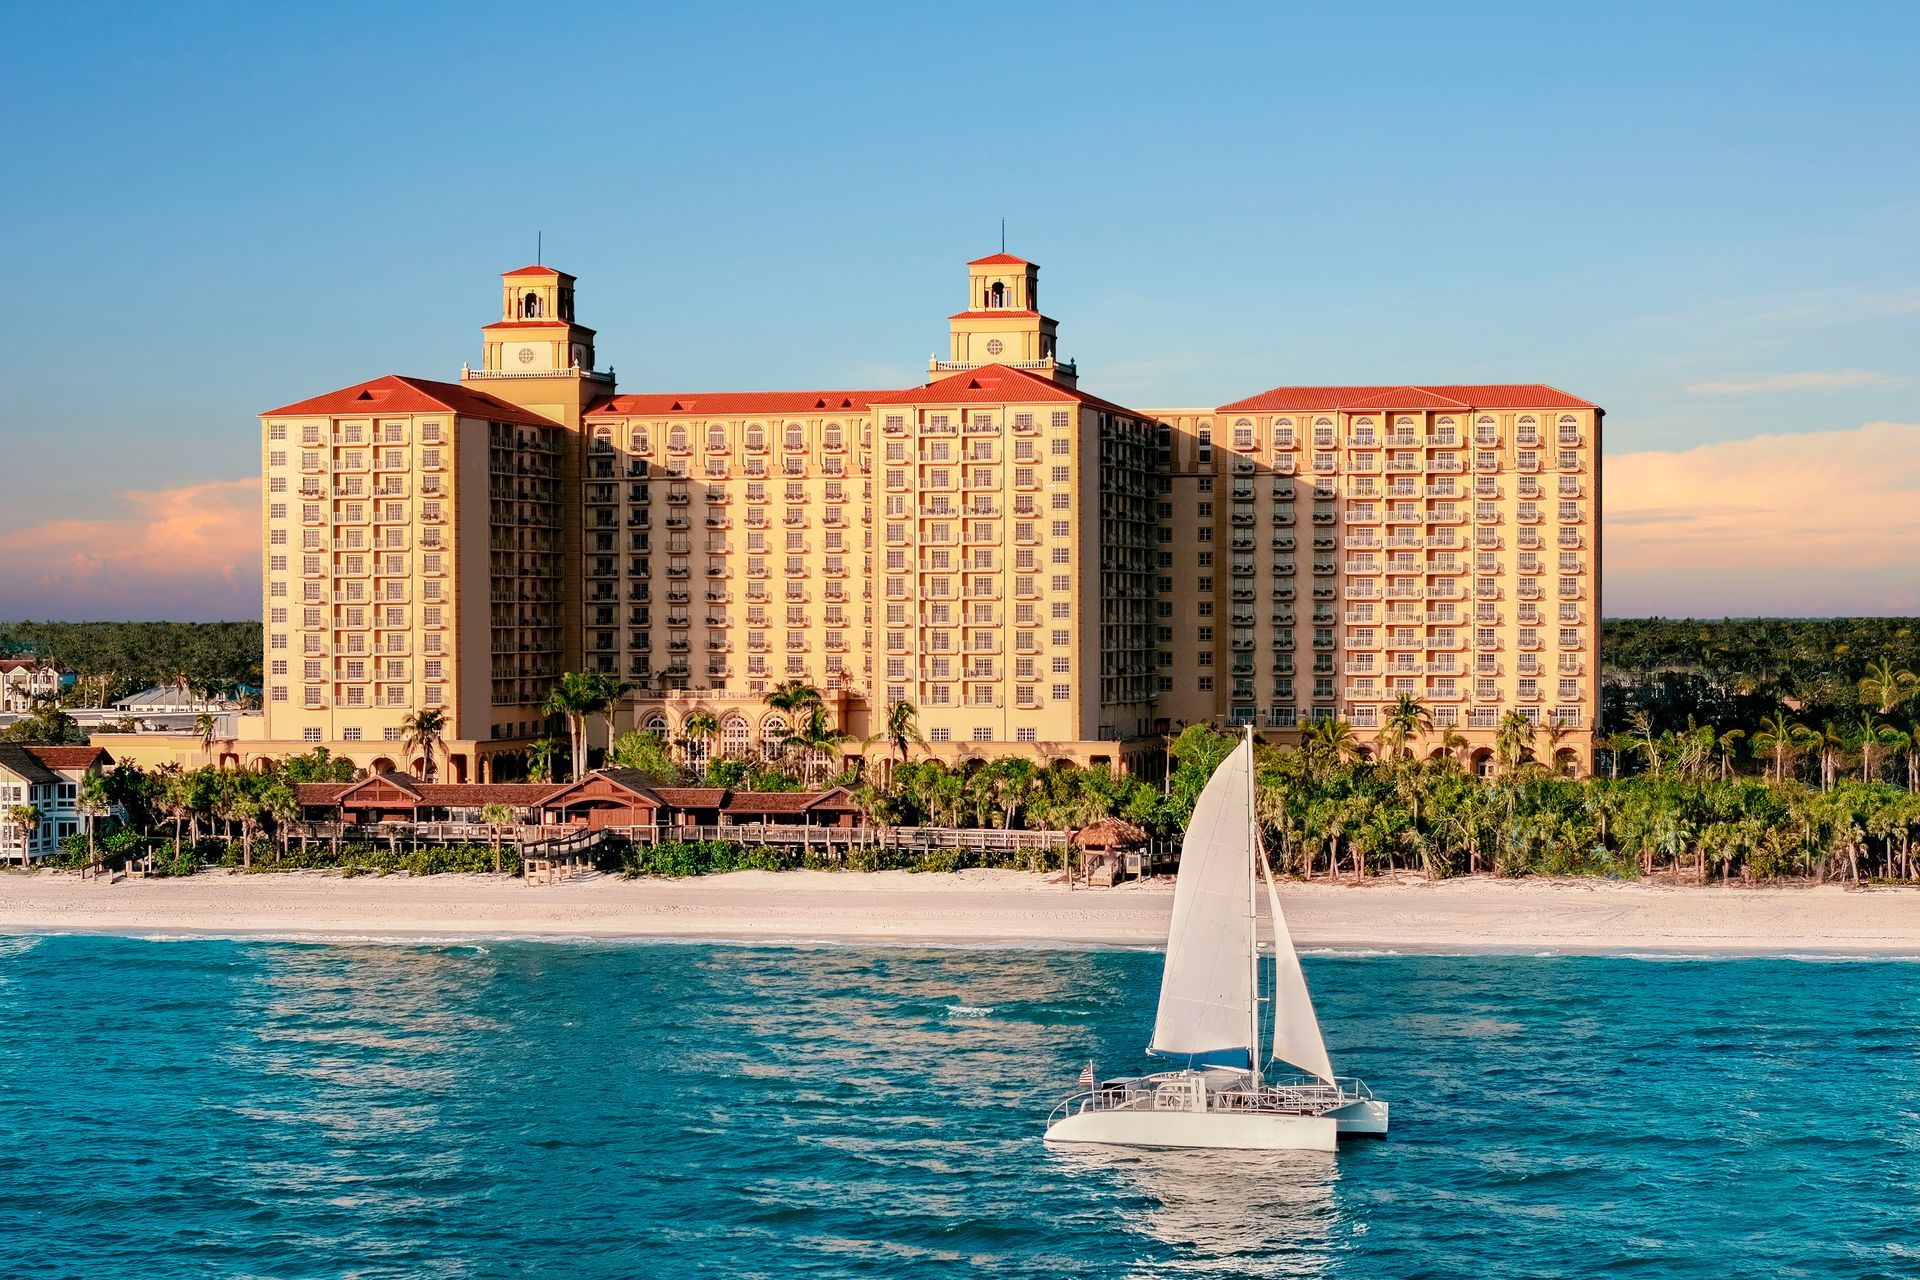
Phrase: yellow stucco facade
(1037, 570)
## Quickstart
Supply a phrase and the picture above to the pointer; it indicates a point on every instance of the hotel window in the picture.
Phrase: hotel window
(1060, 418)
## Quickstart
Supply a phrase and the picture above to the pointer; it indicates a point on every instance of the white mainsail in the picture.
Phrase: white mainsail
(1206, 992)
(1296, 1029)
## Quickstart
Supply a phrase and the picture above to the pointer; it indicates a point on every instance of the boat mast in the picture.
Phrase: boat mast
(1253, 926)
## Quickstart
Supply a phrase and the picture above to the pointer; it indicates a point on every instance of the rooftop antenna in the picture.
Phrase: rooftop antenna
(539, 248)
(1003, 235)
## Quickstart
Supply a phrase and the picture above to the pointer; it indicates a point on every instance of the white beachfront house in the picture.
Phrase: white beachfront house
(22, 680)
(48, 778)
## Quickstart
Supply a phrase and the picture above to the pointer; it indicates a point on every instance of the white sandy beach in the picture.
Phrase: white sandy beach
(976, 907)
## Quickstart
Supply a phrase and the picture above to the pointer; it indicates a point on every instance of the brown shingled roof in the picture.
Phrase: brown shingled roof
(71, 757)
(692, 797)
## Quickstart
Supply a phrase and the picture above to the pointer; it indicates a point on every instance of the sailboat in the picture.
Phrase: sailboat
(1227, 1093)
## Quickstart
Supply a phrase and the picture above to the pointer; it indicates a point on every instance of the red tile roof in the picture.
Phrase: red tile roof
(395, 394)
(1002, 259)
(997, 384)
(723, 403)
(15, 664)
(534, 271)
(71, 757)
(995, 313)
(535, 324)
(1525, 395)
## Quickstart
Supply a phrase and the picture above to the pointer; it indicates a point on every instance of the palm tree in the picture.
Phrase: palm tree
(1884, 688)
(540, 760)
(1513, 741)
(1870, 736)
(794, 697)
(93, 802)
(245, 809)
(700, 729)
(1728, 741)
(1454, 743)
(903, 728)
(1407, 719)
(1556, 731)
(609, 689)
(496, 816)
(26, 819)
(424, 731)
(206, 726)
(1832, 740)
(815, 739)
(1330, 741)
(576, 695)
(1781, 738)
(279, 803)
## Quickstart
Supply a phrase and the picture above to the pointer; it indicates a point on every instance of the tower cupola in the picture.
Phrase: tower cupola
(1002, 323)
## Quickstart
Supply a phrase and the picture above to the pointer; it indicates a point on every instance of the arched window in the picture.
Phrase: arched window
(756, 436)
(773, 737)
(677, 440)
(530, 306)
(716, 437)
(655, 724)
(639, 439)
(736, 737)
(997, 295)
(796, 437)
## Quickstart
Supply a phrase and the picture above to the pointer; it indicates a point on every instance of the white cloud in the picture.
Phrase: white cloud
(1812, 380)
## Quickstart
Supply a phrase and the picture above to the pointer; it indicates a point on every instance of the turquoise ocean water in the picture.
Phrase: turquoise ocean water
(273, 1109)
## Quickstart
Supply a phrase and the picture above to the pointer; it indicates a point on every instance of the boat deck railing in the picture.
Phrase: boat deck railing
(1166, 1093)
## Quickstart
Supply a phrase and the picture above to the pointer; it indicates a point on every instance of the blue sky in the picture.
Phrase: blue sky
(1699, 216)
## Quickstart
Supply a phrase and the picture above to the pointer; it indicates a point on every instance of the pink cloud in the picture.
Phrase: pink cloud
(1818, 522)
(187, 554)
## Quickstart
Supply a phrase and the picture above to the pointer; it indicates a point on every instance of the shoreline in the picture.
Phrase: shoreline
(971, 909)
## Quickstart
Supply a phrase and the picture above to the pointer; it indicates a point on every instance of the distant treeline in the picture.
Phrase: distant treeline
(114, 659)
(1736, 672)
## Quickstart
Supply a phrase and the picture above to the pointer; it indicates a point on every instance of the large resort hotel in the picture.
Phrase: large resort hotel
(1037, 570)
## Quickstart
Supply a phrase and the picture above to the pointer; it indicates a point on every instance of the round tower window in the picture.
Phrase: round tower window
(995, 346)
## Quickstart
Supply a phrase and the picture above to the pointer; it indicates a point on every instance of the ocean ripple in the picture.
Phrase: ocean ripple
(242, 1109)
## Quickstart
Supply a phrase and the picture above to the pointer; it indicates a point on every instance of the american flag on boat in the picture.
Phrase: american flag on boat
(1086, 1076)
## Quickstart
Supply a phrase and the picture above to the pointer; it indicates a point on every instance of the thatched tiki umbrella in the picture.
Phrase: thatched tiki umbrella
(1103, 848)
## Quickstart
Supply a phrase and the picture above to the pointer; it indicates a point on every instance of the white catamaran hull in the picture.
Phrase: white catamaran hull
(1241, 1131)
(1364, 1119)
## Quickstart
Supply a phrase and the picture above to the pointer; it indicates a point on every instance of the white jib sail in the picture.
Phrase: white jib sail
(1206, 993)
(1296, 1030)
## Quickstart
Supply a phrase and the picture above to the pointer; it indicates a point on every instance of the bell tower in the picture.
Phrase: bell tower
(1002, 323)
(536, 332)
(538, 357)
